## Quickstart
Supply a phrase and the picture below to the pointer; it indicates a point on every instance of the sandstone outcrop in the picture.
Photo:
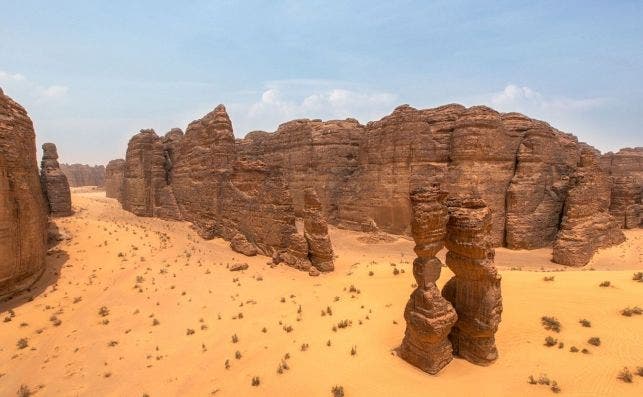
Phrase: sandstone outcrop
(197, 177)
(474, 291)
(587, 224)
(429, 317)
(625, 168)
(519, 166)
(54, 182)
(114, 174)
(320, 250)
(23, 213)
(84, 175)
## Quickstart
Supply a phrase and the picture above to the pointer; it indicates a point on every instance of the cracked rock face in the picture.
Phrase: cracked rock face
(429, 317)
(587, 224)
(54, 182)
(474, 291)
(23, 211)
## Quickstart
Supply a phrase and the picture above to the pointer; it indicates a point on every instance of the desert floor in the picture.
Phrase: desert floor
(172, 308)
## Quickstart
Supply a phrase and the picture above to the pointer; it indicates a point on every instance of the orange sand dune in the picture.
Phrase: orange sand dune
(144, 269)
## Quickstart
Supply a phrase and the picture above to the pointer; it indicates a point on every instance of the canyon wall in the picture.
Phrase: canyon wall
(23, 214)
(84, 175)
(362, 174)
(114, 174)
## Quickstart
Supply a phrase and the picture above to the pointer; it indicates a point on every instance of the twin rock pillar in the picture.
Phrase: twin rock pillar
(464, 318)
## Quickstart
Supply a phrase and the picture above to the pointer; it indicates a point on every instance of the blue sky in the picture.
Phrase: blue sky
(92, 73)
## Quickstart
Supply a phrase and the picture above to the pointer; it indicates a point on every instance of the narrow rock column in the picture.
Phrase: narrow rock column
(429, 317)
(54, 182)
(320, 250)
(474, 291)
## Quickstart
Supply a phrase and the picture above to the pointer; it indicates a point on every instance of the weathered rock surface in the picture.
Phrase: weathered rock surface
(625, 168)
(587, 224)
(429, 317)
(316, 233)
(197, 177)
(474, 291)
(235, 267)
(519, 166)
(54, 182)
(114, 174)
(84, 175)
(23, 212)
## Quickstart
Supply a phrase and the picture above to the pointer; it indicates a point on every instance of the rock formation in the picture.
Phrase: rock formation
(625, 168)
(114, 174)
(429, 317)
(474, 291)
(23, 213)
(316, 233)
(519, 166)
(197, 177)
(84, 175)
(54, 182)
(587, 224)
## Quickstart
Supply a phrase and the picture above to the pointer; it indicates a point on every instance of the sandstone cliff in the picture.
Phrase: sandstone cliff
(587, 224)
(114, 173)
(54, 182)
(23, 219)
(84, 175)
(625, 168)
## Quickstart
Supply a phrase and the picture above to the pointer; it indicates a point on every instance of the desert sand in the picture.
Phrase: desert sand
(172, 309)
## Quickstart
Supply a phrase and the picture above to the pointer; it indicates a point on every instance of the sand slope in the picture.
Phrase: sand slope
(166, 272)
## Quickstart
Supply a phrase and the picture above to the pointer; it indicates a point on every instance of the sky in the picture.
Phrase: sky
(93, 73)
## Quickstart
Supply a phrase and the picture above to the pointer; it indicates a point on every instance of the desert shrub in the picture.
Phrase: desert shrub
(548, 278)
(235, 338)
(584, 351)
(554, 387)
(550, 323)
(625, 375)
(531, 380)
(237, 355)
(353, 350)
(594, 340)
(543, 380)
(255, 381)
(337, 391)
(573, 349)
(639, 371)
(22, 343)
(585, 322)
(605, 284)
(24, 391)
(638, 276)
(189, 331)
(103, 311)
(549, 341)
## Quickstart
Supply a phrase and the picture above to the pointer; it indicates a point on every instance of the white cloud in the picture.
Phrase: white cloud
(54, 91)
(514, 97)
(16, 84)
(291, 99)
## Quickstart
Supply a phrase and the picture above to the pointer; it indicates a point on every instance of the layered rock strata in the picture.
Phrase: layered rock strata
(429, 317)
(114, 174)
(54, 182)
(84, 175)
(519, 166)
(316, 233)
(587, 224)
(625, 169)
(474, 291)
(23, 213)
